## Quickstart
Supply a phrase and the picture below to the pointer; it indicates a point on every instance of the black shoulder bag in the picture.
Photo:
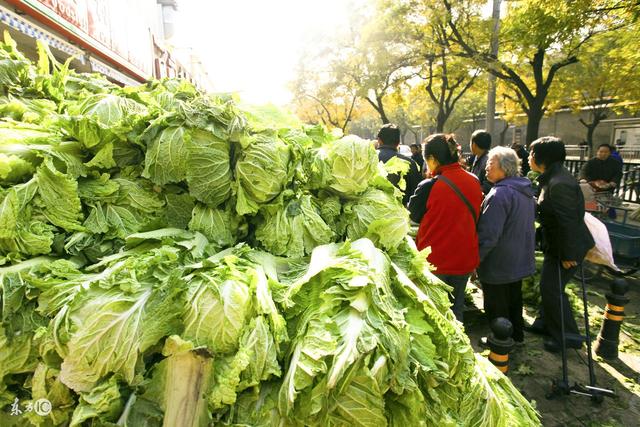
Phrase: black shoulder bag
(462, 197)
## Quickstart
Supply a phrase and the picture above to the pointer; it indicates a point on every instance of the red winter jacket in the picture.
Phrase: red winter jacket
(446, 225)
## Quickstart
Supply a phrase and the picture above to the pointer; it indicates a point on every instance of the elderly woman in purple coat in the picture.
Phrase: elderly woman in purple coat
(506, 235)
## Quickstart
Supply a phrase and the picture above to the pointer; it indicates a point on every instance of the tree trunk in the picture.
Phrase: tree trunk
(590, 131)
(534, 117)
(441, 119)
(379, 107)
(591, 127)
(383, 114)
(348, 115)
(503, 133)
(415, 135)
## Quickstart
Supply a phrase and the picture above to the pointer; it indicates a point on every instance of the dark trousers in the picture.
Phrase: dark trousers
(459, 284)
(551, 292)
(505, 300)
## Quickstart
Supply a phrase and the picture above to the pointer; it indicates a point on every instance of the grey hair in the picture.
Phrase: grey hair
(507, 160)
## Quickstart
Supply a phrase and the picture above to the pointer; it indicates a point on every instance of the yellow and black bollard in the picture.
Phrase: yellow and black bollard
(500, 343)
(609, 337)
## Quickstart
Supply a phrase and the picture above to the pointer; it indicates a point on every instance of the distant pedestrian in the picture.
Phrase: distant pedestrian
(388, 141)
(480, 145)
(416, 156)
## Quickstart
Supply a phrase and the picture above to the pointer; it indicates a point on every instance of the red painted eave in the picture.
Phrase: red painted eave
(50, 23)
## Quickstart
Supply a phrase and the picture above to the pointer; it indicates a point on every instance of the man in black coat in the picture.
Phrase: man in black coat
(603, 172)
(416, 156)
(566, 240)
(388, 141)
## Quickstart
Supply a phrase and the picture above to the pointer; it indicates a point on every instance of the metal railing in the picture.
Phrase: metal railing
(629, 154)
(580, 152)
(629, 188)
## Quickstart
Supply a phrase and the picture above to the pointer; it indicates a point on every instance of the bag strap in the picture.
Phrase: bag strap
(462, 197)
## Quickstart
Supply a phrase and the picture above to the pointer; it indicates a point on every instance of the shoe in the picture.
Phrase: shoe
(574, 345)
(483, 342)
(553, 346)
(575, 340)
(537, 328)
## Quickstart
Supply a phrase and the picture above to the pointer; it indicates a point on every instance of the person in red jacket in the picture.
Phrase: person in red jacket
(447, 206)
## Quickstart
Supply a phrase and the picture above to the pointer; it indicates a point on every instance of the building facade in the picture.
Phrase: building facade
(122, 39)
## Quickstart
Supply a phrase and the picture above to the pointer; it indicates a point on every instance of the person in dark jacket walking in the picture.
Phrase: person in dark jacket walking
(480, 145)
(603, 172)
(416, 156)
(506, 237)
(565, 240)
(388, 141)
(447, 207)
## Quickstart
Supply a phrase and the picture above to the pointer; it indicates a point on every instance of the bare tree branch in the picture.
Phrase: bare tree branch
(348, 116)
(324, 107)
(464, 90)
(491, 64)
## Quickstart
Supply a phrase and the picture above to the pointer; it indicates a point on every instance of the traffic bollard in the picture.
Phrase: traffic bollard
(500, 343)
(609, 336)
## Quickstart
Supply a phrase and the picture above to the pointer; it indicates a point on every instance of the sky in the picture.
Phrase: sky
(252, 46)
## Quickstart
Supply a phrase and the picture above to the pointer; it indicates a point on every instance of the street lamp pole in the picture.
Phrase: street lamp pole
(491, 95)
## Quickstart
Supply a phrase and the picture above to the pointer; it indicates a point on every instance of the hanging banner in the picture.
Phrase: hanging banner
(98, 17)
(116, 30)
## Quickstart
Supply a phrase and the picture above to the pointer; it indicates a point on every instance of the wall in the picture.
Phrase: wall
(563, 124)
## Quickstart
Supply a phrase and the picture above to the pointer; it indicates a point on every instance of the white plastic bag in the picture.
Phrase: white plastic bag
(601, 253)
(590, 202)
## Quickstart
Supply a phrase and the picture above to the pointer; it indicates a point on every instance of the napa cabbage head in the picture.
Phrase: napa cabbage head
(102, 118)
(377, 215)
(209, 171)
(294, 228)
(120, 313)
(353, 163)
(219, 307)
(166, 158)
(262, 172)
(220, 226)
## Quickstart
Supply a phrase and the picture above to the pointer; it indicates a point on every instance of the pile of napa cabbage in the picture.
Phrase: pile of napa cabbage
(168, 258)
